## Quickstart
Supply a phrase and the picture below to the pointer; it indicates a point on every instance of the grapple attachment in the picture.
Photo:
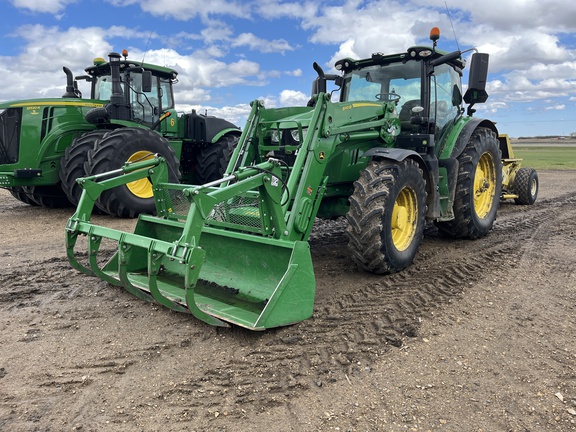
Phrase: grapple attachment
(203, 253)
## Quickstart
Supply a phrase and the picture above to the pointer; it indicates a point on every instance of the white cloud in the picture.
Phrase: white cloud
(43, 6)
(294, 73)
(293, 98)
(187, 9)
(560, 107)
(255, 43)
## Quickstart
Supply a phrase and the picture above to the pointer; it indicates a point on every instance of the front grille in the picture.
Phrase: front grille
(10, 121)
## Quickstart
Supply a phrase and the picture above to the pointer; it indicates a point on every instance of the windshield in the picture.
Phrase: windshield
(372, 82)
(103, 87)
(366, 83)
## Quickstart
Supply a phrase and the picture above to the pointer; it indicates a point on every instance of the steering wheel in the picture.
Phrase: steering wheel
(388, 97)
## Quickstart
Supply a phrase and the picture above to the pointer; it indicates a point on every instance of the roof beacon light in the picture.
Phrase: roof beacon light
(434, 34)
(125, 53)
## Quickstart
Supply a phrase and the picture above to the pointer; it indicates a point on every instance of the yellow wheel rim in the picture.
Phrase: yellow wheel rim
(484, 185)
(404, 219)
(141, 188)
(533, 187)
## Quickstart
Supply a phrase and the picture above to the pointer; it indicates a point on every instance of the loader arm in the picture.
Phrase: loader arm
(234, 250)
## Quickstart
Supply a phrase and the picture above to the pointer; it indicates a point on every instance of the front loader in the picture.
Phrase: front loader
(397, 151)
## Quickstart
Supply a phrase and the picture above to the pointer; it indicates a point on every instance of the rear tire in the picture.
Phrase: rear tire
(211, 162)
(21, 194)
(526, 186)
(72, 163)
(51, 196)
(387, 215)
(478, 187)
(129, 144)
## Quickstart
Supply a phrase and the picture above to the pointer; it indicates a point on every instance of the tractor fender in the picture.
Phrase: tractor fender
(429, 167)
(466, 133)
(398, 155)
(227, 131)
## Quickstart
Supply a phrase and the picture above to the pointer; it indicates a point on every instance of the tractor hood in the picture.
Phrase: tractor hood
(35, 104)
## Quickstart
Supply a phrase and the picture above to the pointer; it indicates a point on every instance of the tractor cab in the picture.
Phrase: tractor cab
(137, 91)
(424, 83)
(427, 92)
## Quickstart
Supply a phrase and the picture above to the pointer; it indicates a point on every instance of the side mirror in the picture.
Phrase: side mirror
(146, 81)
(476, 92)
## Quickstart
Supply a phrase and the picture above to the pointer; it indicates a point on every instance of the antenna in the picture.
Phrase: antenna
(452, 25)
(147, 45)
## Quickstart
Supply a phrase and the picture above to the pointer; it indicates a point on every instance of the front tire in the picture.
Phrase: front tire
(387, 215)
(478, 187)
(51, 196)
(72, 163)
(21, 194)
(129, 145)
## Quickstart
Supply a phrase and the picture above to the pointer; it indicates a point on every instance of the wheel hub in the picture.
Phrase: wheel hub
(404, 218)
(484, 185)
(141, 188)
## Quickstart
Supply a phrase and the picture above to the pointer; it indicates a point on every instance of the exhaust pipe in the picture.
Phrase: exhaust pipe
(70, 87)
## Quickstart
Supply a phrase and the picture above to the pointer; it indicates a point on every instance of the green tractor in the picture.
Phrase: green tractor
(396, 151)
(46, 144)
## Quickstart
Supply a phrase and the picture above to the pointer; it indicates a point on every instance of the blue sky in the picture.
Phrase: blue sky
(229, 53)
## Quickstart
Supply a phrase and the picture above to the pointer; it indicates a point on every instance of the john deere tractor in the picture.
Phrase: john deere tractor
(396, 151)
(46, 144)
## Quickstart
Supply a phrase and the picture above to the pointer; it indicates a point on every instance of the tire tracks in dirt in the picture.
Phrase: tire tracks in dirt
(358, 318)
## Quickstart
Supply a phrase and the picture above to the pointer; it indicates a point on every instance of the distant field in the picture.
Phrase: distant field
(542, 154)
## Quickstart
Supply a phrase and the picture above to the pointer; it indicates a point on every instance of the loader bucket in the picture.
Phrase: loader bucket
(220, 275)
(242, 279)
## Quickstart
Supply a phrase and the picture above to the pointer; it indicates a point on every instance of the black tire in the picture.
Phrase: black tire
(21, 194)
(211, 162)
(387, 216)
(478, 187)
(72, 163)
(112, 151)
(526, 186)
(51, 196)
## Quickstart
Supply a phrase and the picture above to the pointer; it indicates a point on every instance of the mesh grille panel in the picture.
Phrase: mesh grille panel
(239, 210)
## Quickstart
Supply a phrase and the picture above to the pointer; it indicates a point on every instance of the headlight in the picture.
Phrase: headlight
(295, 136)
(290, 137)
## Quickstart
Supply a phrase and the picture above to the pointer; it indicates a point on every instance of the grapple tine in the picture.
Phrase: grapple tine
(154, 260)
(71, 239)
(94, 242)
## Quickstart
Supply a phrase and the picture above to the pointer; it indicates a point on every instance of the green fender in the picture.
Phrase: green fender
(231, 131)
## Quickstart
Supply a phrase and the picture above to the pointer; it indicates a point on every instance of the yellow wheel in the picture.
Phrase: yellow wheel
(404, 219)
(484, 185)
(141, 188)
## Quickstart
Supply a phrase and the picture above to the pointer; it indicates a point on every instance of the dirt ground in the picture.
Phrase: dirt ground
(475, 336)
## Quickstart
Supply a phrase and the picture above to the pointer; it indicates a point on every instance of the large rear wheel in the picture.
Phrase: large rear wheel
(478, 187)
(387, 215)
(72, 163)
(129, 145)
(211, 162)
